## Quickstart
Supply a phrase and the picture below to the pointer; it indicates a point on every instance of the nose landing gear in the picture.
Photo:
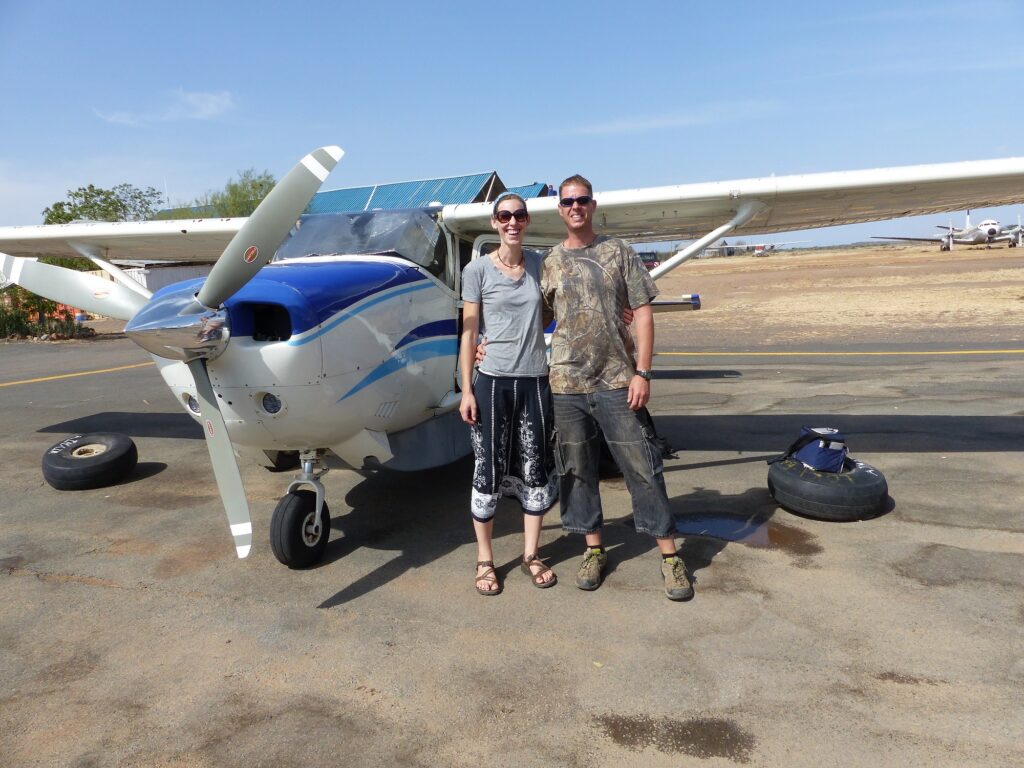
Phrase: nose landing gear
(301, 524)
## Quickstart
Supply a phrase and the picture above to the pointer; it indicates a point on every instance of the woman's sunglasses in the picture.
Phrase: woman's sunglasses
(583, 200)
(506, 216)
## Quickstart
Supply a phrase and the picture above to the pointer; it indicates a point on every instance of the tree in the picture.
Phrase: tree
(240, 197)
(124, 202)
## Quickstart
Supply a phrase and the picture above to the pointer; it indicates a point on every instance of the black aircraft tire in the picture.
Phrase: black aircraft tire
(80, 462)
(292, 539)
(856, 493)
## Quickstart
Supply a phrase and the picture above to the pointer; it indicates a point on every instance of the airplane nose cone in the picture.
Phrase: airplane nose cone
(992, 231)
(167, 327)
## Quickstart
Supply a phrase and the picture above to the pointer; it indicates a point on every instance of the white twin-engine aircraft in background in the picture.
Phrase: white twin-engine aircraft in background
(986, 233)
(333, 338)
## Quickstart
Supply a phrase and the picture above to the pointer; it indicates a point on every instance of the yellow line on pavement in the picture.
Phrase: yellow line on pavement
(847, 354)
(71, 375)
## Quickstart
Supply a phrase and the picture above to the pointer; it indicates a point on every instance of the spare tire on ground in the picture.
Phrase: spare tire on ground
(79, 462)
(856, 493)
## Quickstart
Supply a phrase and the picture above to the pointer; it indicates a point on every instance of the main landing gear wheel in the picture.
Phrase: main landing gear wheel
(80, 462)
(857, 493)
(295, 538)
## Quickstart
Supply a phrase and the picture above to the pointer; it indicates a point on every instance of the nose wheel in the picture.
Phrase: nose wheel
(301, 524)
(298, 536)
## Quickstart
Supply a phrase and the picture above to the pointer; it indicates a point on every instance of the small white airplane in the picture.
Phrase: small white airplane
(332, 339)
(986, 233)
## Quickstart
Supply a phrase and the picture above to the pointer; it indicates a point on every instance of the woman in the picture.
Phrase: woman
(508, 406)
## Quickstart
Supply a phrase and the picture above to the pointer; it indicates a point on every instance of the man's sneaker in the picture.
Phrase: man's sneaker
(588, 576)
(677, 586)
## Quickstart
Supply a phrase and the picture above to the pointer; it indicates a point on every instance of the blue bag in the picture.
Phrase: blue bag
(822, 449)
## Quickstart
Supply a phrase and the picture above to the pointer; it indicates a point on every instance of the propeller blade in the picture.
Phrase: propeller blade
(225, 468)
(255, 243)
(76, 289)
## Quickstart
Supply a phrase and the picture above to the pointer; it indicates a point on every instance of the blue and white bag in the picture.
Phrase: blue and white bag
(822, 449)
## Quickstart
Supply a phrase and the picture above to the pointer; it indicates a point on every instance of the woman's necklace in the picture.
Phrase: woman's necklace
(517, 265)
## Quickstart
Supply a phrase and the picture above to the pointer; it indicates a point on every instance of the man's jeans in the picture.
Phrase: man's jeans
(579, 422)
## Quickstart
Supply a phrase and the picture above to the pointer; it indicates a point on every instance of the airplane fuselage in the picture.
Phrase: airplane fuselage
(349, 353)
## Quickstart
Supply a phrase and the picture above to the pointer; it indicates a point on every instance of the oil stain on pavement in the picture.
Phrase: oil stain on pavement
(701, 737)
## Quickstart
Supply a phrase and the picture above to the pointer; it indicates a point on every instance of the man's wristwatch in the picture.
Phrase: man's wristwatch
(643, 374)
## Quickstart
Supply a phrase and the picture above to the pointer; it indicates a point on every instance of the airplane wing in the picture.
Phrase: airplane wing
(913, 239)
(683, 212)
(188, 240)
(784, 203)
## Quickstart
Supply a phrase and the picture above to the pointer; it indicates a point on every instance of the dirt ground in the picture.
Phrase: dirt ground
(130, 635)
(870, 295)
(879, 295)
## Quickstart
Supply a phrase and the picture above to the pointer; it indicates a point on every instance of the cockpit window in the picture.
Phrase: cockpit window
(410, 234)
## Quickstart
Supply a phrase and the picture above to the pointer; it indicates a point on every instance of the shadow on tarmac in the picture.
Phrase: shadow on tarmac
(389, 512)
(681, 373)
(864, 434)
(177, 425)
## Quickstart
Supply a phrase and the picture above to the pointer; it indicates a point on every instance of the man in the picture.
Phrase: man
(599, 382)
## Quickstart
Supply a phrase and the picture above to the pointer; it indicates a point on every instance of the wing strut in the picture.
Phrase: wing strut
(93, 253)
(744, 213)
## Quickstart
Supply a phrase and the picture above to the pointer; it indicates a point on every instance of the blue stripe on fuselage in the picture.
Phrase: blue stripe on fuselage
(368, 302)
(415, 352)
(315, 292)
(425, 331)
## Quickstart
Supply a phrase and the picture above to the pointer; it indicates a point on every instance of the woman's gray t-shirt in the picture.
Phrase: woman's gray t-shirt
(510, 316)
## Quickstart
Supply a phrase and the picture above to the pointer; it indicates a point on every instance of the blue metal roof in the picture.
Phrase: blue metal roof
(332, 201)
(475, 188)
(408, 194)
(537, 189)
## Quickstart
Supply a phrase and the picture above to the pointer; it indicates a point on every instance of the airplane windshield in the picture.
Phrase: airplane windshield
(410, 234)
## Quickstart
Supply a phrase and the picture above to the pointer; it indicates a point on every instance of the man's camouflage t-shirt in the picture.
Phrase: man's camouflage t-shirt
(587, 289)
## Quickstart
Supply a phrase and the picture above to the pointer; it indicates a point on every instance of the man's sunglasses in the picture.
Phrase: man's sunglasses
(506, 216)
(583, 200)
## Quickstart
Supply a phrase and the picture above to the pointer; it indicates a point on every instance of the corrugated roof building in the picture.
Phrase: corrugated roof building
(537, 189)
(474, 188)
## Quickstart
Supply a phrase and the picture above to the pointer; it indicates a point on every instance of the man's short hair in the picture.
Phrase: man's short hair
(579, 180)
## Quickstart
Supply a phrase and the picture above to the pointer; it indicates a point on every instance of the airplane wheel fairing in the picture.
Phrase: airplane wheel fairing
(857, 493)
(293, 538)
(80, 462)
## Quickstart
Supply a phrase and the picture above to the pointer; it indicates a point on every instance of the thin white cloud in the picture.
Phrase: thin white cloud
(708, 114)
(966, 11)
(182, 105)
(921, 65)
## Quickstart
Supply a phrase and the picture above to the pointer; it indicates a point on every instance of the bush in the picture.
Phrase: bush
(14, 322)
(18, 307)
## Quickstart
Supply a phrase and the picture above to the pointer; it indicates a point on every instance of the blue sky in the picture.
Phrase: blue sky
(182, 96)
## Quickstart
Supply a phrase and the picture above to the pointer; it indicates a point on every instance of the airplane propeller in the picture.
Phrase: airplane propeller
(76, 289)
(249, 250)
(255, 243)
(182, 326)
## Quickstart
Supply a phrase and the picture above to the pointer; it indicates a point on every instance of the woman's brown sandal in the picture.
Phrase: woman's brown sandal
(538, 577)
(488, 577)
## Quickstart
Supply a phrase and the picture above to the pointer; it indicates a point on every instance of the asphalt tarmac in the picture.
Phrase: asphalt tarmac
(131, 635)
